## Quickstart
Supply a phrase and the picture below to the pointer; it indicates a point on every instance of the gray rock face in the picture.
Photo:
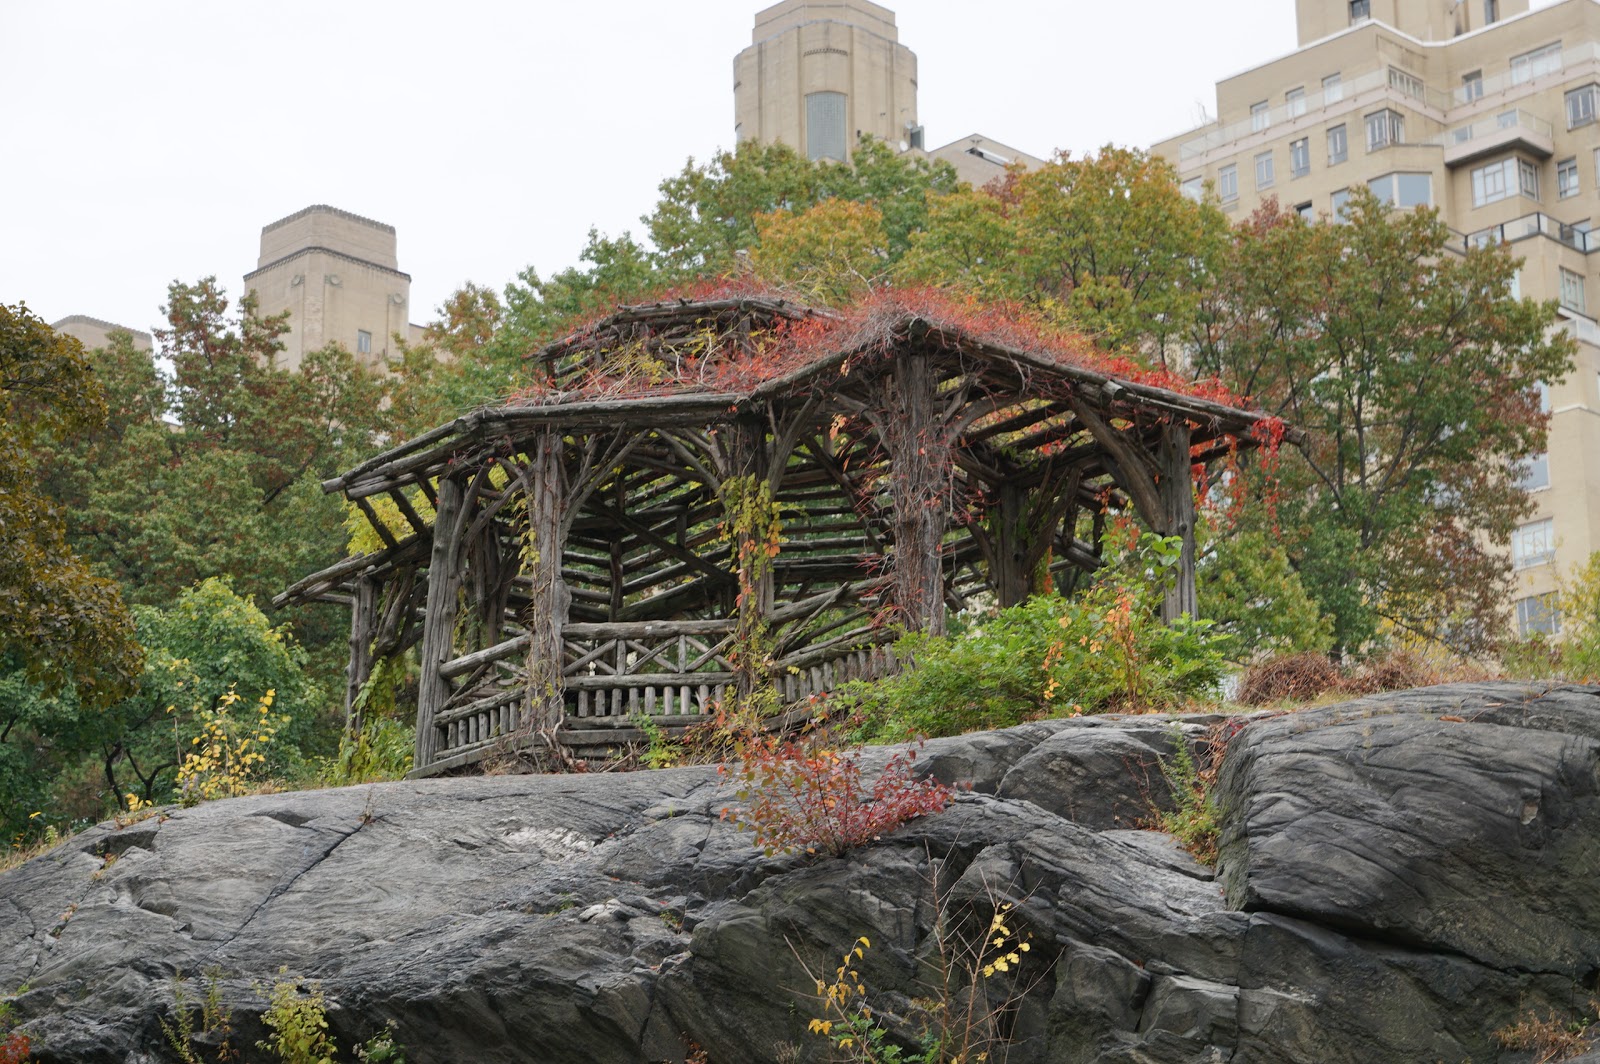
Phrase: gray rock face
(1393, 886)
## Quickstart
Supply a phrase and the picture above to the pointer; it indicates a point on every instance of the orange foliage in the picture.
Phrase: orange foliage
(861, 330)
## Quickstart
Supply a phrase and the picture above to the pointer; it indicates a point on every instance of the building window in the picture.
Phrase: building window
(1537, 63)
(1194, 188)
(1472, 86)
(1533, 544)
(1542, 390)
(1534, 473)
(1264, 173)
(1528, 178)
(1228, 184)
(1300, 157)
(1536, 615)
(1567, 178)
(1337, 202)
(1403, 190)
(1491, 11)
(1295, 102)
(363, 342)
(1360, 9)
(1385, 128)
(1405, 83)
(1581, 106)
(1332, 89)
(1260, 116)
(1507, 177)
(1572, 294)
(825, 126)
(1304, 211)
(1338, 145)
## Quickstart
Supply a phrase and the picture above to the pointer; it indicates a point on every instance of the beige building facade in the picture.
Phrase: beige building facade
(821, 74)
(93, 333)
(1484, 109)
(338, 276)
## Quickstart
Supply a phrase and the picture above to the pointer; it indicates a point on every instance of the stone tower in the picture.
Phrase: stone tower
(821, 73)
(337, 276)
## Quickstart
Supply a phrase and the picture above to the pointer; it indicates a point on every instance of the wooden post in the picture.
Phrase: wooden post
(439, 616)
(1011, 576)
(918, 444)
(1177, 505)
(548, 597)
(363, 629)
(753, 569)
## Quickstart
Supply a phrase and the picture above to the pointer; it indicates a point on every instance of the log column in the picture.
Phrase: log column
(1177, 511)
(548, 598)
(363, 630)
(748, 464)
(918, 445)
(439, 617)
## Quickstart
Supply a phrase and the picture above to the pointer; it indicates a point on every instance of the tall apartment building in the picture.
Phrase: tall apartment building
(820, 74)
(337, 275)
(1484, 109)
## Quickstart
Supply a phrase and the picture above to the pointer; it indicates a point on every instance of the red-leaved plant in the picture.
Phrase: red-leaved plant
(803, 796)
(15, 1049)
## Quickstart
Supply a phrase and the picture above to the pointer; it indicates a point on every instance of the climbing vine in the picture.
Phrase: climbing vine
(752, 527)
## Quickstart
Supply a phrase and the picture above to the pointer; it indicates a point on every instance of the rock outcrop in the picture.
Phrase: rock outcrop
(1399, 876)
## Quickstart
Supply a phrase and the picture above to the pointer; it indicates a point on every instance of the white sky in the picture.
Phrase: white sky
(146, 142)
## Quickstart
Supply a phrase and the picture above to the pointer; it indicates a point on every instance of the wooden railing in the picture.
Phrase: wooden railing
(675, 671)
(658, 668)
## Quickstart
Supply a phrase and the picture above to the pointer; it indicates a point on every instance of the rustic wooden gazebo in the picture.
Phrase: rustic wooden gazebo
(585, 564)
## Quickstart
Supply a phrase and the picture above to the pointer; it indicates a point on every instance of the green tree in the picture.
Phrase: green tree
(707, 214)
(1413, 370)
(59, 623)
(70, 762)
(1250, 591)
(214, 471)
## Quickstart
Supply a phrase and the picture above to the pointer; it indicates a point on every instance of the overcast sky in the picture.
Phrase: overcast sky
(146, 142)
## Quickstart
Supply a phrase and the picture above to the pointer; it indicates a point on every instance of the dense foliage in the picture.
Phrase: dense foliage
(163, 482)
(59, 623)
(1103, 649)
(1414, 372)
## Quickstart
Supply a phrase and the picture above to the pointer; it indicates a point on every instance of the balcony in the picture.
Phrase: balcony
(1514, 130)
(1577, 237)
(1362, 90)
(1570, 58)
(1580, 326)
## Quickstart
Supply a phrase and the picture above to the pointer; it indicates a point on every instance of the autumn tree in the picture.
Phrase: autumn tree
(59, 624)
(829, 253)
(1107, 244)
(1413, 370)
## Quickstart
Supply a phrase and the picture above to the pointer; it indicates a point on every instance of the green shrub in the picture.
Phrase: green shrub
(1193, 820)
(383, 750)
(1103, 650)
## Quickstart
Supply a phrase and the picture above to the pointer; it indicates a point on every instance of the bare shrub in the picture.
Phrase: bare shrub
(1296, 677)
